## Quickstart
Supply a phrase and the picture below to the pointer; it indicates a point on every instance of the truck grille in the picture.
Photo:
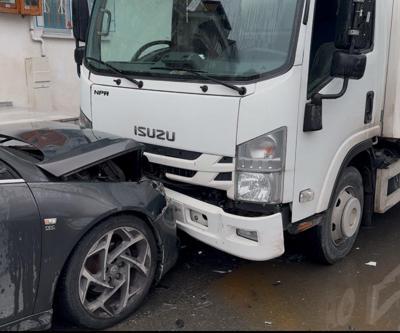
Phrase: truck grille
(172, 152)
(224, 177)
(159, 171)
(187, 168)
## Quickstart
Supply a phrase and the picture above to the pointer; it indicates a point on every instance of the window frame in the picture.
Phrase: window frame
(30, 10)
(329, 78)
(16, 178)
(48, 32)
(286, 67)
(20, 8)
(10, 9)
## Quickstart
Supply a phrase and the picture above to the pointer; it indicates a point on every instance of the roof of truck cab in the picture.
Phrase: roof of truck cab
(66, 148)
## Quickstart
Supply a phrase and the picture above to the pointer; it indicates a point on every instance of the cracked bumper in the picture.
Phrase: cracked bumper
(221, 231)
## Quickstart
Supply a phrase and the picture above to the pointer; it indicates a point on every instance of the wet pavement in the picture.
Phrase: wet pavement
(210, 290)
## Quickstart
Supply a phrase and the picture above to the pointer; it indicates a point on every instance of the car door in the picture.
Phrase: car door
(19, 247)
(347, 121)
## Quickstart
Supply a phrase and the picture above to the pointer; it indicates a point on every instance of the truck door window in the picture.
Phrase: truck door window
(330, 33)
(322, 44)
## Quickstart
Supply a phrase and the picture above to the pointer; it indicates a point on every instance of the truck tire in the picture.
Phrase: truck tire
(109, 274)
(334, 238)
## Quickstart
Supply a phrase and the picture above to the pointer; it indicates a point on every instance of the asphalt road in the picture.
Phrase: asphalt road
(209, 290)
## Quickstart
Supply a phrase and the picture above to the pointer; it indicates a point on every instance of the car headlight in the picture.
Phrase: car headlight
(84, 121)
(259, 168)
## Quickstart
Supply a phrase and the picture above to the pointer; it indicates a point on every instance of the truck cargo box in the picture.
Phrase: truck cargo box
(391, 121)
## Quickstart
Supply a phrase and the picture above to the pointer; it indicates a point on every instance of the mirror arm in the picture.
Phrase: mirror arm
(78, 66)
(317, 98)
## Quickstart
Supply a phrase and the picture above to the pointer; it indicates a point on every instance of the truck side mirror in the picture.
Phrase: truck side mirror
(79, 55)
(356, 20)
(344, 65)
(80, 19)
(348, 66)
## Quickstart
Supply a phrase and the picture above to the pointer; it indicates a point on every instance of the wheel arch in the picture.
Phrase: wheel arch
(351, 148)
(111, 214)
(361, 157)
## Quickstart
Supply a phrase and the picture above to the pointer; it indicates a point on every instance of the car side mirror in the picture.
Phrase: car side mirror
(348, 66)
(80, 19)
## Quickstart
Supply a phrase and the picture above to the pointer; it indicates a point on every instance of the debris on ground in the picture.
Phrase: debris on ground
(180, 323)
(269, 323)
(203, 305)
(277, 283)
(223, 272)
(371, 263)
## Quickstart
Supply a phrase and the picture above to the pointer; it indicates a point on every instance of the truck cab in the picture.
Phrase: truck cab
(259, 116)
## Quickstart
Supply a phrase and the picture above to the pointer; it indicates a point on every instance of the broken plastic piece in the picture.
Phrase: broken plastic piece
(371, 263)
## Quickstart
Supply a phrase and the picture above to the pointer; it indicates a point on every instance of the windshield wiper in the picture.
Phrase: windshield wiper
(241, 90)
(117, 71)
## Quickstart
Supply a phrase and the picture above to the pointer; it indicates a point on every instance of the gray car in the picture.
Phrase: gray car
(81, 231)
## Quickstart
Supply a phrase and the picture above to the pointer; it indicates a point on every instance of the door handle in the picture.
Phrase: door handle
(107, 13)
(369, 107)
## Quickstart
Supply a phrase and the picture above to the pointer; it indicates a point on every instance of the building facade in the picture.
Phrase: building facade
(37, 69)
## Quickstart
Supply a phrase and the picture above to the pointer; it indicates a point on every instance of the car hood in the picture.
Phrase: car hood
(67, 149)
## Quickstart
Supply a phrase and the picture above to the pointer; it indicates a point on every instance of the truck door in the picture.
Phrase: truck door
(19, 247)
(347, 121)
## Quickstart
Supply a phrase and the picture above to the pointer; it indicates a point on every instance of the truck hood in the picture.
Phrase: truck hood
(187, 121)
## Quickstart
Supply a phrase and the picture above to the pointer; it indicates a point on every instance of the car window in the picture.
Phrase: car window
(22, 150)
(6, 173)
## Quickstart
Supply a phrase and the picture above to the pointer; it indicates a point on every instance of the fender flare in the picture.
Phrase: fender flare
(363, 146)
(354, 145)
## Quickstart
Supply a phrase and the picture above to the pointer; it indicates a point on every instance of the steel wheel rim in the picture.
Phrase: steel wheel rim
(346, 216)
(114, 272)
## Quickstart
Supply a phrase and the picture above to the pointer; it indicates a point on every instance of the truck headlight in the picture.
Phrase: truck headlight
(259, 168)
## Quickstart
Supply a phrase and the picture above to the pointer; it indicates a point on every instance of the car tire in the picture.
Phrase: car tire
(85, 283)
(334, 238)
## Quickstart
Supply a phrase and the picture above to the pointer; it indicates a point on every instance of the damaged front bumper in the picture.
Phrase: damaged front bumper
(222, 230)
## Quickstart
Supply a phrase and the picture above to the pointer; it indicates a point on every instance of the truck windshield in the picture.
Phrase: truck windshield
(237, 40)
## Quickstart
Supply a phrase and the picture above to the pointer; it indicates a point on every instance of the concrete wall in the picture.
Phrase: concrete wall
(16, 45)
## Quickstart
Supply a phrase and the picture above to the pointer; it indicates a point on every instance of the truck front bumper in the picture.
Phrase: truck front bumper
(220, 229)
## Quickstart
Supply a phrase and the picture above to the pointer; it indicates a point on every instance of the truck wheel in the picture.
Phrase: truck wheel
(109, 273)
(336, 235)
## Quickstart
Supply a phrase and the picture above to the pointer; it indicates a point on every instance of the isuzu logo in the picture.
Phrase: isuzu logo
(153, 133)
(101, 92)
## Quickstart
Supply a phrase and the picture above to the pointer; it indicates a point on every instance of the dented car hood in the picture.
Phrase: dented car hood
(67, 149)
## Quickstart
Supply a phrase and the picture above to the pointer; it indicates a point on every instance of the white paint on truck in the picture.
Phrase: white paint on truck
(212, 122)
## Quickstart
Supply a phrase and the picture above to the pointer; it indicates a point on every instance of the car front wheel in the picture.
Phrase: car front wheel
(109, 273)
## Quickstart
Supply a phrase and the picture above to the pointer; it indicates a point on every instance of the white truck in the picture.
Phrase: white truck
(261, 117)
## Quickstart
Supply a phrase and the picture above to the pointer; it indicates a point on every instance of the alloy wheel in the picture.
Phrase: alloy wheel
(114, 272)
